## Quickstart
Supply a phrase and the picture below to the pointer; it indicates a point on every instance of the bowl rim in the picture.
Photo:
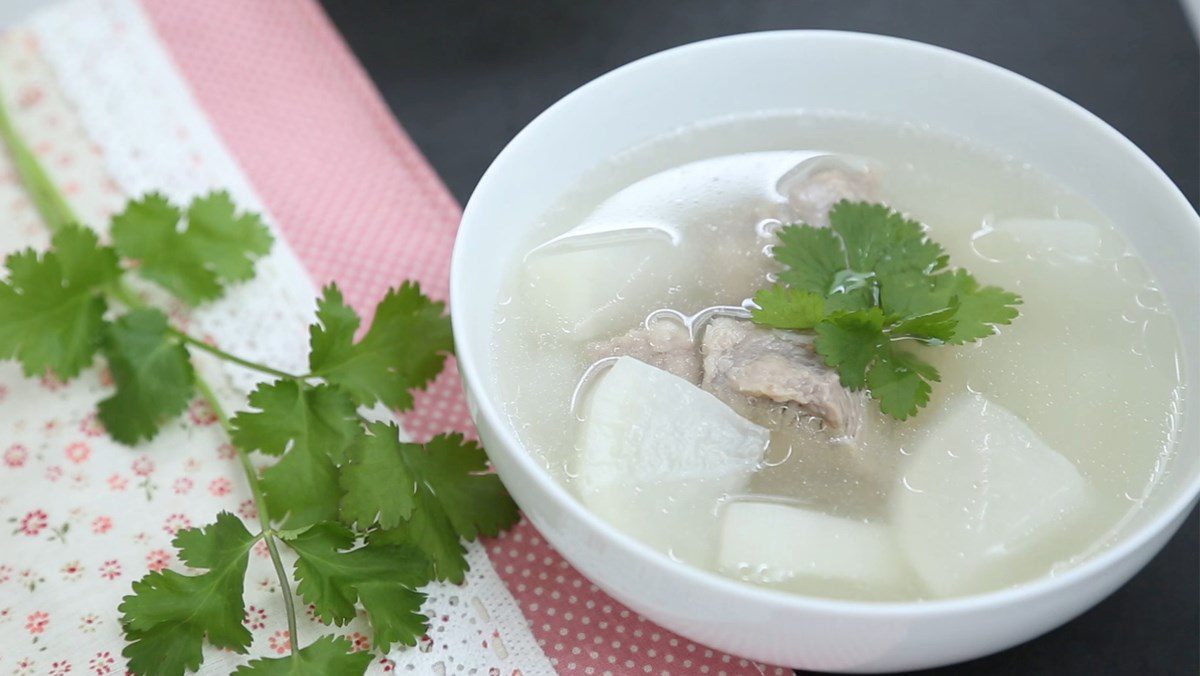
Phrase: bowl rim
(472, 366)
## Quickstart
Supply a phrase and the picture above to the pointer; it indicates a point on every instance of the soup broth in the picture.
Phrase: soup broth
(1035, 445)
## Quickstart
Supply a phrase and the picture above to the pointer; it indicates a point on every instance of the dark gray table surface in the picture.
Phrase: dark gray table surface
(464, 77)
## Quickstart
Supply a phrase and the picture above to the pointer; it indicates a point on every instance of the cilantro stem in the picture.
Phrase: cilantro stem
(56, 212)
(49, 201)
(218, 352)
(260, 502)
(121, 291)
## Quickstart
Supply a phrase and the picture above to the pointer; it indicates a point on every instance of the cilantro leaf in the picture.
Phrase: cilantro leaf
(302, 488)
(812, 256)
(215, 545)
(404, 349)
(379, 486)
(337, 322)
(169, 614)
(228, 242)
(851, 291)
(980, 308)
(170, 648)
(455, 470)
(333, 575)
(326, 656)
(783, 307)
(900, 381)
(877, 238)
(880, 278)
(315, 425)
(394, 605)
(844, 263)
(849, 342)
(429, 530)
(855, 343)
(912, 293)
(152, 372)
(193, 261)
(937, 325)
(146, 231)
(52, 308)
(454, 497)
(295, 415)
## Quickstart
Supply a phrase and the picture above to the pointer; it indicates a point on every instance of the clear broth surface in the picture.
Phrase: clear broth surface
(1090, 364)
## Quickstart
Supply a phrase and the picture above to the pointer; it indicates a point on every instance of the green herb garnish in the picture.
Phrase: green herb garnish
(370, 518)
(872, 285)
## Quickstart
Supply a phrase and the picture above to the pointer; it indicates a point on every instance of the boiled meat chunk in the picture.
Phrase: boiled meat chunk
(666, 344)
(816, 184)
(656, 454)
(982, 488)
(746, 365)
(773, 543)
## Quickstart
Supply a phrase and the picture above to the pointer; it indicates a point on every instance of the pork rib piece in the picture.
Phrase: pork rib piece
(815, 185)
(665, 345)
(745, 364)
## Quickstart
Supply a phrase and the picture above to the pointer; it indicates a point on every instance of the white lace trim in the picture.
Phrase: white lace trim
(154, 136)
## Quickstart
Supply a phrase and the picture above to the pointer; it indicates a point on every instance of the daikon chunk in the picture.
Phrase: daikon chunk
(675, 517)
(644, 425)
(657, 454)
(1051, 239)
(773, 543)
(580, 279)
(981, 489)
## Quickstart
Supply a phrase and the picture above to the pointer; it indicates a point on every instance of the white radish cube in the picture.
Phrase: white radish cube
(1054, 239)
(772, 543)
(643, 425)
(981, 489)
(675, 517)
(657, 453)
(581, 280)
(624, 257)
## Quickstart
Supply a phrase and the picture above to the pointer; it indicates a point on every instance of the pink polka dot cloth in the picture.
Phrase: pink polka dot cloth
(358, 203)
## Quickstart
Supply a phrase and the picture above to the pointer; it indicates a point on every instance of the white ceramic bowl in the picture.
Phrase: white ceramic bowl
(885, 78)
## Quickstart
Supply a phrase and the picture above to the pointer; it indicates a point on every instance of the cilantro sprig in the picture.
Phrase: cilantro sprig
(370, 518)
(875, 290)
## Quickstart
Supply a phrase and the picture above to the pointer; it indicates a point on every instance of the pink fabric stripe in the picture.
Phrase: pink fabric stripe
(354, 196)
(359, 204)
